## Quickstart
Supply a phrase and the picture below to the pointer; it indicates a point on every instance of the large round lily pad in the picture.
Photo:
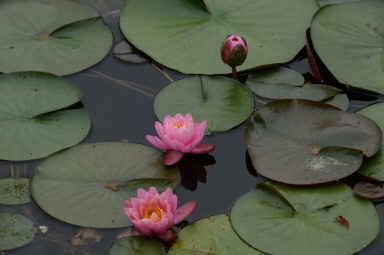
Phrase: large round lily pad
(32, 122)
(56, 36)
(374, 167)
(15, 231)
(224, 103)
(137, 245)
(212, 235)
(14, 191)
(92, 182)
(349, 39)
(306, 142)
(280, 219)
(187, 35)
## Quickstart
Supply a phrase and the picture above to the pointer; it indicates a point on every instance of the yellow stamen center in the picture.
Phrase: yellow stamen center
(179, 124)
(157, 210)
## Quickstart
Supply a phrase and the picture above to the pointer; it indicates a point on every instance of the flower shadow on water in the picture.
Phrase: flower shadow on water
(192, 169)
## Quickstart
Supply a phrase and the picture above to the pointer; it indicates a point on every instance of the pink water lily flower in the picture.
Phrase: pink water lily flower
(179, 135)
(154, 214)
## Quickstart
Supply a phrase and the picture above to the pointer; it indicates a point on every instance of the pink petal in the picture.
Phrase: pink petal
(184, 211)
(167, 120)
(141, 193)
(203, 148)
(155, 141)
(153, 191)
(168, 236)
(128, 203)
(144, 226)
(172, 157)
(129, 232)
(159, 129)
(189, 117)
(174, 144)
(161, 227)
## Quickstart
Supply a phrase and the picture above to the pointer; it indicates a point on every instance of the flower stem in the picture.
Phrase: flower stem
(234, 73)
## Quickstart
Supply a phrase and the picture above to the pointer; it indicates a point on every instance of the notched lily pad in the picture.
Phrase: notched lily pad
(14, 191)
(305, 142)
(92, 182)
(373, 167)
(348, 39)
(34, 121)
(369, 189)
(137, 245)
(187, 35)
(15, 231)
(276, 218)
(60, 37)
(224, 103)
(212, 235)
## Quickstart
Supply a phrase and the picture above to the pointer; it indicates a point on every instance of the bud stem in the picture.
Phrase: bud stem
(234, 73)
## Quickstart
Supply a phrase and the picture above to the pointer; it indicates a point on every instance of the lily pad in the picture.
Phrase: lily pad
(15, 231)
(14, 191)
(340, 101)
(33, 121)
(280, 219)
(305, 142)
(56, 36)
(274, 82)
(187, 35)
(124, 52)
(374, 167)
(369, 189)
(324, 2)
(282, 82)
(212, 235)
(224, 103)
(92, 182)
(349, 39)
(137, 245)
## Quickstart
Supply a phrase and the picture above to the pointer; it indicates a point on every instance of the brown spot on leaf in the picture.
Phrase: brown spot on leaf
(113, 186)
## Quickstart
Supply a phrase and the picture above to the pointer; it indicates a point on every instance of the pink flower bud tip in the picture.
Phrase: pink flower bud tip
(179, 135)
(234, 50)
(152, 213)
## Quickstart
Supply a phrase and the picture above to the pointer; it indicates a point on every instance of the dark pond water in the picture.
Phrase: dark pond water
(119, 112)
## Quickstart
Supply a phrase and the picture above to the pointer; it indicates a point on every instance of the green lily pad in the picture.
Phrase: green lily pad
(137, 245)
(56, 36)
(324, 2)
(187, 35)
(374, 167)
(14, 191)
(340, 101)
(105, 6)
(15, 231)
(282, 82)
(280, 219)
(349, 39)
(274, 82)
(212, 235)
(307, 142)
(224, 103)
(33, 121)
(92, 182)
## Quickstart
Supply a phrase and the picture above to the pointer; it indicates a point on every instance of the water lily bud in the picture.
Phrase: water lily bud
(234, 50)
